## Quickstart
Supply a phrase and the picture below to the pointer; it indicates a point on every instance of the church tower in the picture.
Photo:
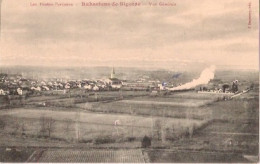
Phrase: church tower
(113, 75)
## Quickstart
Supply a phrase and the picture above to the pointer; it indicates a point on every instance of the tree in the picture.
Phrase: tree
(146, 142)
(166, 134)
(173, 131)
(252, 86)
(23, 129)
(132, 125)
(42, 126)
(191, 129)
(50, 125)
(225, 86)
(158, 128)
(68, 123)
(47, 125)
(2, 125)
(16, 127)
(234, 86)
(77, 127)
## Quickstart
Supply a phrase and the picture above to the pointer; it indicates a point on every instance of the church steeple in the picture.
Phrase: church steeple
(113, 73)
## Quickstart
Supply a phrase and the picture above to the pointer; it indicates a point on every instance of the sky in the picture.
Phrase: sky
(190, 33)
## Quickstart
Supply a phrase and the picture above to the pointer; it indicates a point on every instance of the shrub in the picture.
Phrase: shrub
(85, 141)
(104, 140)
(146, 142)
(130, 139)
(2, 124)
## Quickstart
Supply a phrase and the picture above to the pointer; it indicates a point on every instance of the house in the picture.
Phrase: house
(88, 87)
(114, 83)
(79, 84)
(19, 91)
(3, 76)
(2, 92)
(36, 88)
(162, 86)
(43, 83)
(95, 88)
(45, 88)
(67, 86)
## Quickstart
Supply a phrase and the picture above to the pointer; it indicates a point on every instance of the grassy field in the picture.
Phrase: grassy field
(102, 94)
(146, 109)
(76, 96)
(15, 154)
(233, 127)
(237, 121)
(167, 102)
(175, 106)
(161, 156)
(236, 109)
(90, 125)
(193, 95)
(92, 156)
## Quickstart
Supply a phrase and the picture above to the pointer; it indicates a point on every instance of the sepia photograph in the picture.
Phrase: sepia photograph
(129, 81)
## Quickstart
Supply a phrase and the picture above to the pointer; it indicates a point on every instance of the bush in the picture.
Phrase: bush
(2, 124)
(146, 142)
(131, 139)
(104, 140)
(85, 141)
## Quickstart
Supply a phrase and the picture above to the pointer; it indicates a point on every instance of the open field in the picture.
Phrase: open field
(101, 94)
(161, 156)
(176, 106)
(15, 154)
(236, 109)
(248, 126)
(170, 102)
(92, 156)
(220, 141)
(193, 95)
(236, 127)
(90, 125)
(146, 109)
(76, 96)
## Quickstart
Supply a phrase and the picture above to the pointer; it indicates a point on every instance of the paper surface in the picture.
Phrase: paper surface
(129, 81)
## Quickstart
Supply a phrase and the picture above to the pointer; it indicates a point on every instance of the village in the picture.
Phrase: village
(16, 84)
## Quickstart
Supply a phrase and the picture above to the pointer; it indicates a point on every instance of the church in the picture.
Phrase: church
(114, 82)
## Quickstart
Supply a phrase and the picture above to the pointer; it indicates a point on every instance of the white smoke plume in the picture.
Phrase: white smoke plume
(205, 76)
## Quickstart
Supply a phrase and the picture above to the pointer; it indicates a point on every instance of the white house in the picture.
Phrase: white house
(2, 92)
(19, 91)
(88, 87)
(95, 88)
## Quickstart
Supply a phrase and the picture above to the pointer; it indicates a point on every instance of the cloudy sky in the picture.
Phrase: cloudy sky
(201, 31)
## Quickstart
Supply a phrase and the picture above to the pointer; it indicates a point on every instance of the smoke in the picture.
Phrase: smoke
(205, 76)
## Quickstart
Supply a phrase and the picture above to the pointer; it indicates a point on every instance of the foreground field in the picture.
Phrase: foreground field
(92, 156)
(15, 154)
(161, 156)
(74, 125)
